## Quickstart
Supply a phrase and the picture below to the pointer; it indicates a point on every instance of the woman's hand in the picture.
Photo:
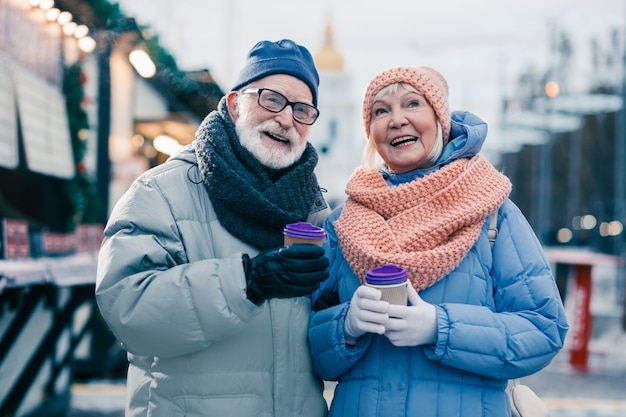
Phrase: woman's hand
(412, 325)
(367, 313)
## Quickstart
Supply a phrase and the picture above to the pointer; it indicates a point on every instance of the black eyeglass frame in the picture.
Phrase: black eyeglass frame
(292, 104)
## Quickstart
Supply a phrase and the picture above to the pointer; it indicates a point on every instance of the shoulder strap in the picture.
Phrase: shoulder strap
(492, 234)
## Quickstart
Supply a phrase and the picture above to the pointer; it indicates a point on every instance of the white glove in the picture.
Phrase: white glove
(412, 325)
(367, 313)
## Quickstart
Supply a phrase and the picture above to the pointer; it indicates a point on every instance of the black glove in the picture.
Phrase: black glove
(294, 271)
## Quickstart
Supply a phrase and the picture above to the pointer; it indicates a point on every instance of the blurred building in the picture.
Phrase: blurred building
(333, 134)
(79, 112)
(565, 153)
(565, 150)
(88, 102)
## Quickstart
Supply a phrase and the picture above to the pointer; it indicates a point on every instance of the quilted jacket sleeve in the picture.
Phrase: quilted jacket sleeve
(154, 300)
(331, 356)
(527, 328)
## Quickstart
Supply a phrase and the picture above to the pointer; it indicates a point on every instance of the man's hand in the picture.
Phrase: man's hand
(288, 272)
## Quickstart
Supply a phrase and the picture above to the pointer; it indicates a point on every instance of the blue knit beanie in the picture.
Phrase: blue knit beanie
(282, 57)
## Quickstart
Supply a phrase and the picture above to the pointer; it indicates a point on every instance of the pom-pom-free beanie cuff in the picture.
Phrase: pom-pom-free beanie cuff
(282, 57)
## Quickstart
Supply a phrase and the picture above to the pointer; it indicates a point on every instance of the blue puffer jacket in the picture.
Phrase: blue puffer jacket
(499, 316)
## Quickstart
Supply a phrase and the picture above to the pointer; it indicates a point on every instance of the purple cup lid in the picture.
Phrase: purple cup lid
(388, 274)
(304, 230)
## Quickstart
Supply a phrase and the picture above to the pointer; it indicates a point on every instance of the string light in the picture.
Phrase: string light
(69, 28)
(552, 89)
(66, 21)
(87, 44)
(52, 14)
(46, 4)
(142, 63)
(64, 18)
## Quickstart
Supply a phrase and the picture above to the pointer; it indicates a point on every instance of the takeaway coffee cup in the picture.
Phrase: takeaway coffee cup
(303, 232)
(391, 280)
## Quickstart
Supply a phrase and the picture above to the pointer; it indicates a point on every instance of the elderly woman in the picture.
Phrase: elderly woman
(477, 315)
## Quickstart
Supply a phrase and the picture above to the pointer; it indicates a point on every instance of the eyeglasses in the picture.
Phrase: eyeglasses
(275, 102)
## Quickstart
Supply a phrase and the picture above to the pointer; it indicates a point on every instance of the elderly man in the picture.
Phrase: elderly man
(192, 276)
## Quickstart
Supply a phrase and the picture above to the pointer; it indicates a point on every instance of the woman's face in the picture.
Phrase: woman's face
(403, 130)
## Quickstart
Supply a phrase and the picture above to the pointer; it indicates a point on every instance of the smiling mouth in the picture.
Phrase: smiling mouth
(406, 140)
(276, 138)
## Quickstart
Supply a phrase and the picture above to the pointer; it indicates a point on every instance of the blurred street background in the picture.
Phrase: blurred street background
(95, 92)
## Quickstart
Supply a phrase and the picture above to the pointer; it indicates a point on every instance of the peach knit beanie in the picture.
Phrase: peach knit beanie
(427, 80)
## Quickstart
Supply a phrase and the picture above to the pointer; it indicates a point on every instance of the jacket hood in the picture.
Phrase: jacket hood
(468, 132)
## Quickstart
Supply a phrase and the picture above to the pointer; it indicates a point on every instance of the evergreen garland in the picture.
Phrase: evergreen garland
(81, 191)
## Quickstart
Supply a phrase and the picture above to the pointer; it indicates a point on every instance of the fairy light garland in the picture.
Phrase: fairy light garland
(65, 19)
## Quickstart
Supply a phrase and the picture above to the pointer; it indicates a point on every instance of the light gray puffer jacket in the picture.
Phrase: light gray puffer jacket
(171, 286)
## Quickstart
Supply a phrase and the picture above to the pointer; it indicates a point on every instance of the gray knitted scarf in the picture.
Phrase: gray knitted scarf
(252, 202)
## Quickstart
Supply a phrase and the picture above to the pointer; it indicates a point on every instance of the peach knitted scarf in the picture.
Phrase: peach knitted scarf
(426, 226)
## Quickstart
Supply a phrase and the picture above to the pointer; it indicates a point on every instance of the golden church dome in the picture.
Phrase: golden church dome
(328, 58)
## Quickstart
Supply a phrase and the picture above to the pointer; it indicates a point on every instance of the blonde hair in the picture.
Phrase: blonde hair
(371, 159)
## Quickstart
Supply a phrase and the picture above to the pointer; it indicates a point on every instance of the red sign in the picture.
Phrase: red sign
(579, 353)
(15, 240)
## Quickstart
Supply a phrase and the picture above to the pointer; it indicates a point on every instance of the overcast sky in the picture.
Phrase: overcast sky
(480, 46)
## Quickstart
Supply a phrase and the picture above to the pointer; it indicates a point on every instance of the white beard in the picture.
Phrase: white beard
(271, 156)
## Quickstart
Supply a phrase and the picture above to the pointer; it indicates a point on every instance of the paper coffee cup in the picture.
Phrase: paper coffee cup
(392, 282)
(303, 232)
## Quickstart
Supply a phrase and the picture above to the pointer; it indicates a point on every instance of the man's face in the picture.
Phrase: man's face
(275, 139)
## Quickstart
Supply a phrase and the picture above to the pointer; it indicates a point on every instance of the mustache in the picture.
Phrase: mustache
(276, 129)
